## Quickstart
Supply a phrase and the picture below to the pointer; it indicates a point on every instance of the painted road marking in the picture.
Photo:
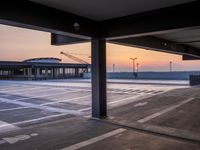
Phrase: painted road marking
(15, 139)
(132, 99)
(41, 89)
(10, 109)
(164, 111)
(47, 108)
(17, 89)
(5, 127)
(38, 119)
(42, 96)
(94, 140)
(125, 99)
(66, 100)
(140, 104)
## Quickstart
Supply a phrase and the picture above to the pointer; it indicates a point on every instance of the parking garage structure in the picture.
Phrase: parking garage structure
(41, 69)
(158, 26)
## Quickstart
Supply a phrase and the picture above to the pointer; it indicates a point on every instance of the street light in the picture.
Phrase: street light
(170, 66)
(137, 67)
(134, 74)
(113, 68)
(133, 59)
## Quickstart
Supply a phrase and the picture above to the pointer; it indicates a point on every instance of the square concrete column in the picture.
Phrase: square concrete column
(99, 104)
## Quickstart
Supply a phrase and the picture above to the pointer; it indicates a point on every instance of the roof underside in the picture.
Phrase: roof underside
(100, 10)
(188, 37)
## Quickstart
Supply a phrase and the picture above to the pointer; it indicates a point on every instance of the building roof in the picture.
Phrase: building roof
(17, 64)
(44, 59)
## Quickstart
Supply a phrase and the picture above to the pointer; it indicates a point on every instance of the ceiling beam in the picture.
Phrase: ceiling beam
(153, 43)
(59, 40)
(31, 15)
(187, 57)
(176, 18)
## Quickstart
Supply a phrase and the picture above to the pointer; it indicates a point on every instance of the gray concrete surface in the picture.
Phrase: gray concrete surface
(54, 115)
(80, 133)
(173, 113)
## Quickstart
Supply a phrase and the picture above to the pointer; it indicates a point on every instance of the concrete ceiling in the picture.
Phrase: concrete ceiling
(189, 37)
(107, 9)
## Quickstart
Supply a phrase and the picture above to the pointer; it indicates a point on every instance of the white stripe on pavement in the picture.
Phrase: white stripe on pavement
(94, 140)
(10, 109)
(132, 99)
(66, 100)
(47, 95)
(47, 108)
(15, 124)
(164, 111)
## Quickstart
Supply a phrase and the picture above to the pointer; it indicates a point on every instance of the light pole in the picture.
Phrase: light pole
(133, 59)
(170, 66)
(137, 65)
(134, 74)
(113, 67)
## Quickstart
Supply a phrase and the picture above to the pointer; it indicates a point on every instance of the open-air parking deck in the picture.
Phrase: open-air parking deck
(49, 110)
(57, 115)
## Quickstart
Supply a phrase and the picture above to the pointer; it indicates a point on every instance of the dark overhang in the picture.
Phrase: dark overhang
(31, 15)
(69, 28)
(154, 43)
(176, 18)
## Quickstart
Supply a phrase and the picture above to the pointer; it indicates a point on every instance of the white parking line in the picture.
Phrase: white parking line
(31, 90)
(125, 99)
(164, 111)
(132, 98)
(46, 108)
(10, 109)
(15, 125)
(18, 89)
(47, 95)
(39, 119)
(10, 87)
(66, 100)
(94, 140)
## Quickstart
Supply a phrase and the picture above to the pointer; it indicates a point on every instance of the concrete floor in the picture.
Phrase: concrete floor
(84, 134)
(31, 111)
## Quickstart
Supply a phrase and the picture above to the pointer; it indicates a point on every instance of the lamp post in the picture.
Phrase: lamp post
(137, 67)
(170, 66)
(113, 68)
(133, 59)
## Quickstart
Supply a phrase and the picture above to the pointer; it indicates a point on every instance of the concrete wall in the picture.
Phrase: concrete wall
(182, 75)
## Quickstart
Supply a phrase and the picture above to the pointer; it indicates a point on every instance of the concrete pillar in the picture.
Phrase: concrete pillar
(99, 104)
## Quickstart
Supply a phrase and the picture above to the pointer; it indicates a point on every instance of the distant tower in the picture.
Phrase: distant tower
(170, 66)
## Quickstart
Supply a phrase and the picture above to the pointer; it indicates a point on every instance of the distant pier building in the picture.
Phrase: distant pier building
(41, 69)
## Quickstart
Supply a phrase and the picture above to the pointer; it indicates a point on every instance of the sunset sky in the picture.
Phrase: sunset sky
(17, 44)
